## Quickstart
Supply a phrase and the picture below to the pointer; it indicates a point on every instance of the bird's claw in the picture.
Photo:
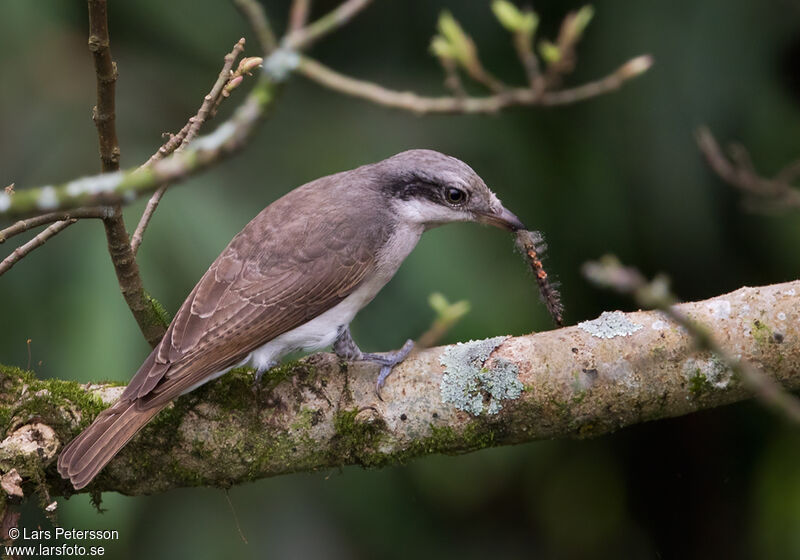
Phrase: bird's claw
(388, 362)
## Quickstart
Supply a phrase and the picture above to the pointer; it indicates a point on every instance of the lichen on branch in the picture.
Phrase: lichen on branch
(321, 413)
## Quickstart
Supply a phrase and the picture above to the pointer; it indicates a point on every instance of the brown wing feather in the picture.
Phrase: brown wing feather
(281, 270)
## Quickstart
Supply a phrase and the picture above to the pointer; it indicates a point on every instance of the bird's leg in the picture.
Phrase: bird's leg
(345, 347)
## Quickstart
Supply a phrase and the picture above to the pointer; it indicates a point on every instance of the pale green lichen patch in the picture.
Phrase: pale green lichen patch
(467, 384)
(609, 325)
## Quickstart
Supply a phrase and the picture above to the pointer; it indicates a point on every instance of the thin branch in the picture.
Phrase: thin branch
(149, 320)
(210, 103)
(608, 272)
(524, 47)
(338, 17)
(418, 104)
(738, 171)
(298, 14)
(125, 186)
(105, 68)
(188, 133)
(568, 36)
(170, 145)
(254, 13)
(321, 413)
(147, 215)
(24, 225)
(119, 249)
(454, 45)
(20, 252)
(452, 80)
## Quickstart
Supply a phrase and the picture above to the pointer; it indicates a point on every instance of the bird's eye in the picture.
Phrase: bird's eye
(454, 195)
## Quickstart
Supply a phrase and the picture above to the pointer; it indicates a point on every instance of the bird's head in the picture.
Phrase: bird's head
(429, 188)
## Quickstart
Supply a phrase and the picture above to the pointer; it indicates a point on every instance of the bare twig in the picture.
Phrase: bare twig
(147, 317)
(418, 104)
(190, 130)
(523, 45)
(738, 171)
(24, 225)
(522, 24)
(40, 239)
(123, 187)
(218, 91)
(452, 80)
(210, 103)
(609, 272)
(119, 248)
(453, 44)
(298, 14)
(339, 16)
(254, 13)
(105, 68)
(170, 145)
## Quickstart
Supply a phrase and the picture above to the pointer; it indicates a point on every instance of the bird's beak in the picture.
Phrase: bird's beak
(503, 219)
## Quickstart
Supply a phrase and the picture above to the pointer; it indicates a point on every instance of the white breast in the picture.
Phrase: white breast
(316, 333)
(322, 330)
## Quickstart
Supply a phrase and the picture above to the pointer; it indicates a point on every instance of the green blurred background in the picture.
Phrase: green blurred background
(619, 173)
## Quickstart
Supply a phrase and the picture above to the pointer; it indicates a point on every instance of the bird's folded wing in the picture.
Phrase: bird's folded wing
(256, 290)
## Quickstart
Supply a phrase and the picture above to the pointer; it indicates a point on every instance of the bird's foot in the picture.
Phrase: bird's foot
(387, 362)
(346, 348)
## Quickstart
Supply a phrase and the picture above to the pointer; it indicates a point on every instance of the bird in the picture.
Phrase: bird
(293, 279)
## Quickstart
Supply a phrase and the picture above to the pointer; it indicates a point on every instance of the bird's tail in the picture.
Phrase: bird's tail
(87, 454)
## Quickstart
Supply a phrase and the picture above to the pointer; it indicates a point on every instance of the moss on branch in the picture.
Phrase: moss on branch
(319, 413)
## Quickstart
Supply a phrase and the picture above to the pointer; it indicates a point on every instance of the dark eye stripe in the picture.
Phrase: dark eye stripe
(439, 194)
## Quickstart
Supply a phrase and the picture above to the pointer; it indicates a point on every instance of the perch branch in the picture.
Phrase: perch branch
(579, 381)
(737, 170)
(419, 104)
(609, 272)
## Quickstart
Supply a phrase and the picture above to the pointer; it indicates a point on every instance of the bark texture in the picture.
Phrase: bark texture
(579, 381)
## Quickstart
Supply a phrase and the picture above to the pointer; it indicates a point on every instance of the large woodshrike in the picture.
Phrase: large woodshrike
(293, 279)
